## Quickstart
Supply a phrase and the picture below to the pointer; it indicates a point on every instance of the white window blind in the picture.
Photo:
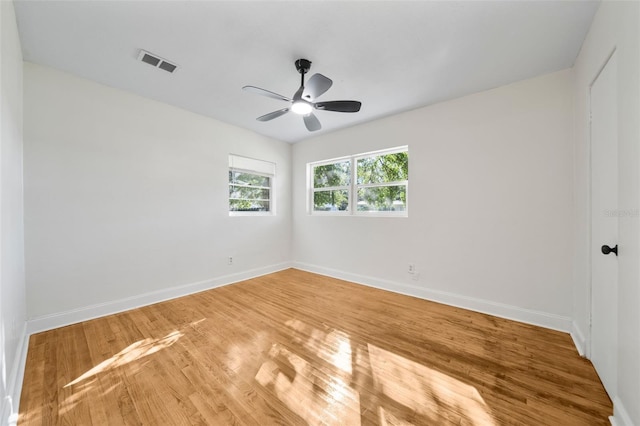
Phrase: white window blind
(252, 165)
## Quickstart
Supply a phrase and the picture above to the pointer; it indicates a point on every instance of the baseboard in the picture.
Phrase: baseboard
(10, 405)
(620, 415)
(578, 339)
(61, 319)
(542, 319)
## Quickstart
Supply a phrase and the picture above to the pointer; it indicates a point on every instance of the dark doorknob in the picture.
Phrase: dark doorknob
(606, 249)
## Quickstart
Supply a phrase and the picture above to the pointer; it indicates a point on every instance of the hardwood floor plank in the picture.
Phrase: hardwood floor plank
(295, 348)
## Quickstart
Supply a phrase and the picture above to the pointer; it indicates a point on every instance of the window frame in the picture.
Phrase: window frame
(247, 170)
(330, 188)
(353, 186)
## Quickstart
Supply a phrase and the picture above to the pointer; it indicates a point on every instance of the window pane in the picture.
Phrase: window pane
(336, 174)
(383, 168)
(382, 199)
(331, 200)
(248, 206)
(248, 192)
(244, 178)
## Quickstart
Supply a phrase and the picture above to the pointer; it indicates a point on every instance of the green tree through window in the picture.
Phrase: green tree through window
(248, 191)
(333, 181)
(382, 182)
(250, 186)
(378, 183)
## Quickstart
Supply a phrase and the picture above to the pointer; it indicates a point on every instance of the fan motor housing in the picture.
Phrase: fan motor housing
(303, 65)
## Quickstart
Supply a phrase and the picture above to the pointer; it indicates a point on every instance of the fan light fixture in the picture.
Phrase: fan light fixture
(301, 107)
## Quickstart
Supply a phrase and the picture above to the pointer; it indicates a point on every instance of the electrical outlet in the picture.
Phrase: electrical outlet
(412, 268)
(415, 276)
(230, 260)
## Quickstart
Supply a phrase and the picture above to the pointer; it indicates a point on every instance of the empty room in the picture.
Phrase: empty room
(320, 212)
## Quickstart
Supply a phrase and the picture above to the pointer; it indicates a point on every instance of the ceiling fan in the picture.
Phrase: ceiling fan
(303, 101)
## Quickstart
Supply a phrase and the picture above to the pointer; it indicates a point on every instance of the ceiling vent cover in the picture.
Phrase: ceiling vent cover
(156, 61)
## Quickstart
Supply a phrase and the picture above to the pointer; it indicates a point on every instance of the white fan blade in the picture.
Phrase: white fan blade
(312, 122)
(272, 115)
(266, 93)
(316, 86)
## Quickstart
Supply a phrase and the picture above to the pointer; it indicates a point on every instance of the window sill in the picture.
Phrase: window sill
(238, 214)
(362, 214)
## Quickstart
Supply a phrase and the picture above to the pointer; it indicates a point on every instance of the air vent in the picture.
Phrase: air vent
(156, 61)
(164, 65)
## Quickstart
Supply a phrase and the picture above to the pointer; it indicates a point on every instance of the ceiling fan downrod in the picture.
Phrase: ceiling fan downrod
(303, 66)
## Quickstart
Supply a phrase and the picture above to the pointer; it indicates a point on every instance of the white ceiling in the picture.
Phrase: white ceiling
(392, 56)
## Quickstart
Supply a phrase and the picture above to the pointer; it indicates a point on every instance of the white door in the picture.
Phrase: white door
(604, 225)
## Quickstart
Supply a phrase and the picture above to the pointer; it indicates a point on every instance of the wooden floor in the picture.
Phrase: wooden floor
(298, 348)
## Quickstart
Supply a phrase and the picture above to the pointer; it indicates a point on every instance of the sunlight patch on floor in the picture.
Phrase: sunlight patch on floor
(426, 391)
(133, 352)
(388, 419)
(319, 384)
(331, 345)
(79, 396)
(318, 399)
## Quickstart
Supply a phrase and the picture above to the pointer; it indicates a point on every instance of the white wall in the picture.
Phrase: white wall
(615, 26)
(490, 208)
(126, 199)
(12, 283)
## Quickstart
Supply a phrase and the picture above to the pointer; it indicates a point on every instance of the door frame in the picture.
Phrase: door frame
(589, 337)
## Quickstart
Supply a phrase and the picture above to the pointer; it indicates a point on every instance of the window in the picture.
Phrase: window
(382, 181)
(365, 184)
(331, 186)
(250, 186)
